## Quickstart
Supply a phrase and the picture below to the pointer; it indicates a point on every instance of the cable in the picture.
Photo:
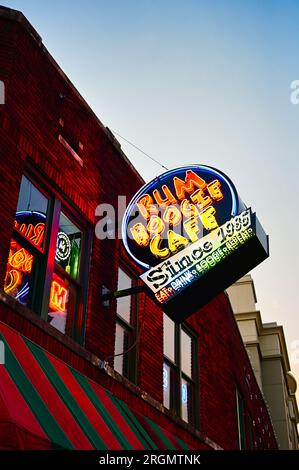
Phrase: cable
(140, 150)
(90, 112)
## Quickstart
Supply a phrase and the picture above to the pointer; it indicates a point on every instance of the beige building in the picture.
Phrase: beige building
(267, 351)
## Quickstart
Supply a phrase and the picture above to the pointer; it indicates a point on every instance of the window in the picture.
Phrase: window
(125, 334)
(65, 286)
(247, 432)
(70, 142)
(45, 268)
(27, 248)
(180, 371)
(241, 420)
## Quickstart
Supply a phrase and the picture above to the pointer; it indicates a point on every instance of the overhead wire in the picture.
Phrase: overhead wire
(140, 150)
(90, 112)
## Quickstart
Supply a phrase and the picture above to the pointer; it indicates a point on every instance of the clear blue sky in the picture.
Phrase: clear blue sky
(198, 82)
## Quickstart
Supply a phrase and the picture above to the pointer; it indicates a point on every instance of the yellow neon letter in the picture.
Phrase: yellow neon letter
(191, 180)
(172, 215)
(155, 225)
(146, 206)
(189, 209)
(208, 219)
(155, 247)
(192, 228)
(168, 199)
(176, 242)
(202, 200)
(215, 191)
(140, 234)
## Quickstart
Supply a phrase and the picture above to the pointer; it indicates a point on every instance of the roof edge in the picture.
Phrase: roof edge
(17, 16)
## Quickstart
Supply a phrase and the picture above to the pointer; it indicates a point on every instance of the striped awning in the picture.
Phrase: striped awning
(45, 404)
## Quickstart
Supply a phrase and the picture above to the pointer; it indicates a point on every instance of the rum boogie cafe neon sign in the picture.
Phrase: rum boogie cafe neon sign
(194, 237)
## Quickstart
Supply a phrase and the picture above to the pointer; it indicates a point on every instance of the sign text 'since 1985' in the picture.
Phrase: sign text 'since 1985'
(170, 277)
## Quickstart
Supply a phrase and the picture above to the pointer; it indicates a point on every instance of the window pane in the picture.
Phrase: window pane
(31, 213)
(68, 246)
(121, 345)
(166, 385)
(19, 272)
(59, 303)
(30, 198)
(123, 307)
(169, 337)
(186, 401)
(186, 354)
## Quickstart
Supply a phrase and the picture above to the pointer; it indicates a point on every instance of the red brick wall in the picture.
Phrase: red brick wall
(29, 128)
(224, 364)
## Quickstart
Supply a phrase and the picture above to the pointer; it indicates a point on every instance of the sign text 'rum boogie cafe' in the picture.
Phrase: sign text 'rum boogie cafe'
(193, 236)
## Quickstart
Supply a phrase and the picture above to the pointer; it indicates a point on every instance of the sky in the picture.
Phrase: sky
(196, 81)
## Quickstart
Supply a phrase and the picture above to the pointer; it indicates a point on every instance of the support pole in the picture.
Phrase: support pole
(108, 295)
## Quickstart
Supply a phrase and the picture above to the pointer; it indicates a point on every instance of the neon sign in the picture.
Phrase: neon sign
(194, 236)
(168, 278)
(58, 297)
(32, 226)
(175, 210)
(20, 259)
(12, 281)
(63, 247)
(19, 267)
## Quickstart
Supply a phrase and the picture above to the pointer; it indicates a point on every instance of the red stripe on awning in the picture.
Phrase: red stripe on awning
(118, 418)
(85, 404)
(46, 391)
(155, 438)
(19, 428)
(172, 439)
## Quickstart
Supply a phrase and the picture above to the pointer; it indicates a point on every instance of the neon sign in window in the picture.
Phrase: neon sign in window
(31, 213)
(18, 272)
(68, 246)
(30, 223)
(33, 233)
(58, 304)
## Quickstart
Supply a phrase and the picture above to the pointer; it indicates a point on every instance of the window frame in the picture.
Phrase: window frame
(131, 357)
(177, 374)
(194, 372)
(37, 288)
(39, 294)
(81, 284)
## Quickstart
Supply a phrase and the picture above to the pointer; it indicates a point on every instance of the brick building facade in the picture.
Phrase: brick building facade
(50, 137)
